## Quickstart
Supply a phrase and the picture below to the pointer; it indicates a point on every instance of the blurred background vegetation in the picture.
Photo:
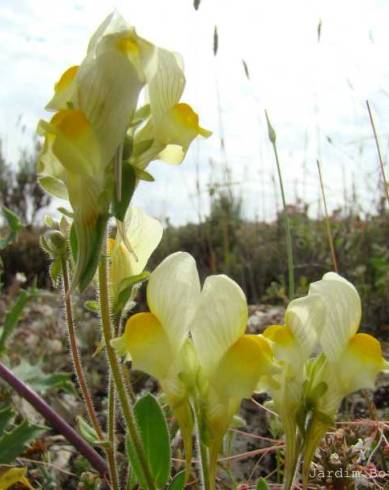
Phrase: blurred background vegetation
(252, 252)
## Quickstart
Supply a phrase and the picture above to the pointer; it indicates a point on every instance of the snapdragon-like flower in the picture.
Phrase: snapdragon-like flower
(350, 361)
(193, 341)
(94, 104)
(171, 125)
(308, 391)
(130, 252)
(292, 344)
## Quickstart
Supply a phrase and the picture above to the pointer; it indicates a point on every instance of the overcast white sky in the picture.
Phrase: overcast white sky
(314, 91)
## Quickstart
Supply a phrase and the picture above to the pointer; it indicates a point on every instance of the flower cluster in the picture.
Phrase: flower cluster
(193, 341)
(96, 148)
(322, 360)
(99, 141)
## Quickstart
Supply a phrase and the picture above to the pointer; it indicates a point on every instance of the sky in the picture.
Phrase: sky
(313, 89)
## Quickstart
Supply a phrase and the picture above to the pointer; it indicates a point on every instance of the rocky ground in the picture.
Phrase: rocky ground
(41, 339)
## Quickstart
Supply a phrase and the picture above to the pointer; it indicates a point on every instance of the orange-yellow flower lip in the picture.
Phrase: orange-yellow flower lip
(279, 334)
(366, 347)
(66, 79)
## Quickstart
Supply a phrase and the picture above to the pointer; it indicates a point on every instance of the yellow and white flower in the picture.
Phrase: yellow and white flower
(95, 103)
(194, 343)
(293, 343)
(130, 253)
(172, 125)
(156, 341)
(351, 360)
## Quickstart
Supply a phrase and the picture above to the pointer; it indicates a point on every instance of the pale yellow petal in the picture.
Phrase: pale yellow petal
(114, 22)
(305, 317)
(108, 90)
(360, 363)
(146, 341)
(173, 154)
(173, 293)
(165, 82)
(238, 371)
(220, 320)
(342, 313)
(143, 234)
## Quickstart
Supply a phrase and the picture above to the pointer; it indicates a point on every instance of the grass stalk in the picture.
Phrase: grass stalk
(381, 160)
(327, 220)
(289, 247)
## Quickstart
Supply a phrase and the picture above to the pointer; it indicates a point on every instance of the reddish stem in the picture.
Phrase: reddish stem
(57, 422)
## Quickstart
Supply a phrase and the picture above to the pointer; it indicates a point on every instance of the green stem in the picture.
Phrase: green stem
(116, 371)
(78, 369)
(327, 219)
(272, 137)
(205, 477)
(287, 227)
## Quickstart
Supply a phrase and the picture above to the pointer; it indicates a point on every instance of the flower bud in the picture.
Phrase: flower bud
(54, 243)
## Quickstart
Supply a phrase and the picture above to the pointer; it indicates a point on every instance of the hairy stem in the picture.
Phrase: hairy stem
(86, 394)
(57, 422)
(117, 375)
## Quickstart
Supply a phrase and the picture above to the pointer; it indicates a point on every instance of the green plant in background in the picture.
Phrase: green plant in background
(19, 190)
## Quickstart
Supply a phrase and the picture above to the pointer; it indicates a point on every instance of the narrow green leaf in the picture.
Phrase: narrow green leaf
(126, 287)
(143, 175)
(127, 147)
(178, 481)
(141, 147)
(55, 270)
(54, 186)
(13, 443)
(119, 208)
(14, 225)
(73, 242)
(262, 484)
(89, 433)
(141, 115)
(12, 317)
(143, 112)
(6, 415)
(156, 441)
(89, 244)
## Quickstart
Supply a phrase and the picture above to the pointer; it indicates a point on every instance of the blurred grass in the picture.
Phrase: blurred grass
(253, 253)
